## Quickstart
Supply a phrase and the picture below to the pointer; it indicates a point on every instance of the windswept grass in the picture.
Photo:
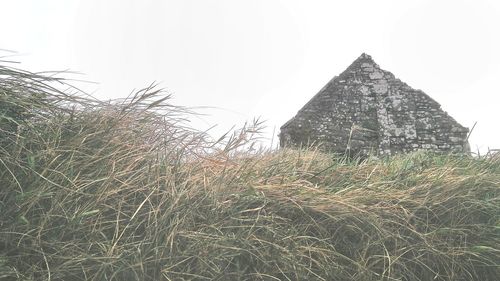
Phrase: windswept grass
(126, 191)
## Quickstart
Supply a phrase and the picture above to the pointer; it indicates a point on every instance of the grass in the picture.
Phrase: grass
(124, 190)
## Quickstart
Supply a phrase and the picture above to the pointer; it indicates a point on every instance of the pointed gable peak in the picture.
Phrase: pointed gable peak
(365, 58)
(363, 62)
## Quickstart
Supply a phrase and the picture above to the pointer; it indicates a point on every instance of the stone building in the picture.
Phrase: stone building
(367, 110)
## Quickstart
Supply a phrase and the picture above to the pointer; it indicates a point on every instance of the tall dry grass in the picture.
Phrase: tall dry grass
(125, 190)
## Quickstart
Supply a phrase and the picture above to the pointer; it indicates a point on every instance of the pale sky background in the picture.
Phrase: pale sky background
(265, 58)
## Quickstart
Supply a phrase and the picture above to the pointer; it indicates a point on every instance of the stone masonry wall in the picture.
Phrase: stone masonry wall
(367, 110)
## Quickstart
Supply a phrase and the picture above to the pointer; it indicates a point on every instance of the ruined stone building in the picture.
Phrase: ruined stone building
(367, 110)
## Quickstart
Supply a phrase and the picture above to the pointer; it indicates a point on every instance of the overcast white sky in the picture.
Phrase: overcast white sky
(267, 58)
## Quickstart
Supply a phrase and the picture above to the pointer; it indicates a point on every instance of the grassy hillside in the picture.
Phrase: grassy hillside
(125, 191)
